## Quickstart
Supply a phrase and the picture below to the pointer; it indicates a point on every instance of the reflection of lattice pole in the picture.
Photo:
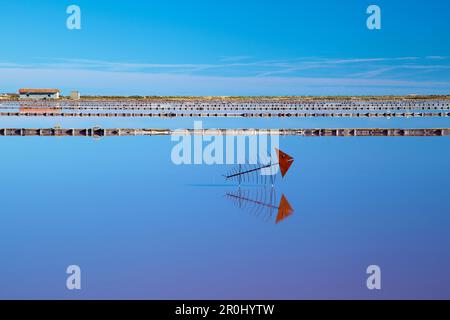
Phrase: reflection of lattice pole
(259, 202)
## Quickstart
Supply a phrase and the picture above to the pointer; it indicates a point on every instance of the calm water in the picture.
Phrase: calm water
(141, 227)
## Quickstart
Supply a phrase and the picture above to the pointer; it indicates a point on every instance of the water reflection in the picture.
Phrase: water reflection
(39, 110)
(262, 202)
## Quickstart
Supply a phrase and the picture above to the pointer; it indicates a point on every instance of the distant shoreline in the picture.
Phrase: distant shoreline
(244, 98)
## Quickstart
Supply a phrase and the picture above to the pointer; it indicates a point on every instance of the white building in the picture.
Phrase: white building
(39, 94)
(75, 95)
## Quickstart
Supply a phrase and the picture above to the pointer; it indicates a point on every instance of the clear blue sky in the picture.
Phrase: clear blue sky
(228, 47)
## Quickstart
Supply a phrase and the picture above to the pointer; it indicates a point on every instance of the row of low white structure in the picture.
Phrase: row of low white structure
(45, 94)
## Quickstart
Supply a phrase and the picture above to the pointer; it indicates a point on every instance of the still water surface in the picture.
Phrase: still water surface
(141, 227)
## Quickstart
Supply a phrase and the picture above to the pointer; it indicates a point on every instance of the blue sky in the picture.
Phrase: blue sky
(227, 47)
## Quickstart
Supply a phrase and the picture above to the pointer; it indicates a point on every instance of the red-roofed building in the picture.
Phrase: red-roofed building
(39, 94)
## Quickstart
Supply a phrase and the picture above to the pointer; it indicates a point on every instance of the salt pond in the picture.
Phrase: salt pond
(140, 226)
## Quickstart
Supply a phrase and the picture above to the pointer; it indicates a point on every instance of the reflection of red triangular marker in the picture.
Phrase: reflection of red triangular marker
(284, 210)
(285, 161)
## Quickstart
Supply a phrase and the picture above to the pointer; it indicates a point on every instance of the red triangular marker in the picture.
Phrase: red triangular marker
(284, 210)
(285, 161)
